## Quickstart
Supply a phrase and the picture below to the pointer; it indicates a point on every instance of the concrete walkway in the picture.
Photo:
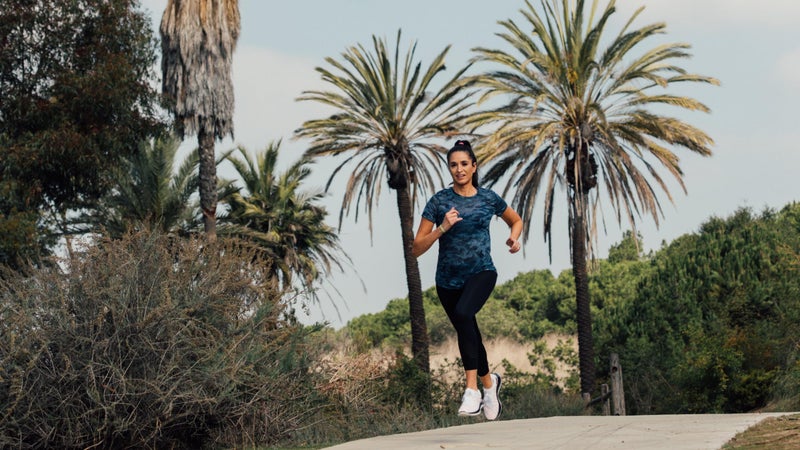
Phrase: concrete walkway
(673, 432)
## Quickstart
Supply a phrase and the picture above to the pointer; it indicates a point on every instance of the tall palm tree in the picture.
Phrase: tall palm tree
(272, 212)
(581, 112)
(198, 38)
(387, 111)
(149, 192)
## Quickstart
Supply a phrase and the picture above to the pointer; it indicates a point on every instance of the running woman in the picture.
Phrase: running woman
(459, 217)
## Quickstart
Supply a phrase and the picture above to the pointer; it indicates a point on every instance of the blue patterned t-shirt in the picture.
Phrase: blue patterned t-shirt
(466, 248)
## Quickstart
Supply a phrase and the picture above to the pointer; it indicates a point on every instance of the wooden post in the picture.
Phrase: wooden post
(606, 402)
(617, 392)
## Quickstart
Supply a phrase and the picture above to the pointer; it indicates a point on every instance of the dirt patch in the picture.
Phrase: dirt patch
(773, 433)
(498, 349)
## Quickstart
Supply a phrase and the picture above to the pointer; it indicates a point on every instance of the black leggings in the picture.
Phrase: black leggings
(461, 306)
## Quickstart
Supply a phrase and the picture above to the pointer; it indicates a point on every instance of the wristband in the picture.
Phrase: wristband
(442, 230)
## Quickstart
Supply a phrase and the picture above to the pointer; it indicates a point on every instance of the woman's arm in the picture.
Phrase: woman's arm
(425, 237)
(514, 222)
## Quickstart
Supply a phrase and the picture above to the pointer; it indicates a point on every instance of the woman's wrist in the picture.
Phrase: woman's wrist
(441, 229)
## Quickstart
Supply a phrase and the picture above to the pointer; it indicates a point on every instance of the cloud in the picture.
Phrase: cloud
(788, 69)
(778, 13)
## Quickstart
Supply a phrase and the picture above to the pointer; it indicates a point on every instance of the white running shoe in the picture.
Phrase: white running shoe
(491, 399)
(471, 403)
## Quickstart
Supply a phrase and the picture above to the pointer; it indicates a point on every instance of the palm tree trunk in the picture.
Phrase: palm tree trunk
(419, 329)
(583, 309)
(208, 182)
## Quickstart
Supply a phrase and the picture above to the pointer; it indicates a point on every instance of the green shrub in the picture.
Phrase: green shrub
(528, 395)
(149, 342)
(785, 395)
(713, 323)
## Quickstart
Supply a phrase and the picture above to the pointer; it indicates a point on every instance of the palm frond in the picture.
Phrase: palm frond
(386, 111)
(272, 211)
(564, 90)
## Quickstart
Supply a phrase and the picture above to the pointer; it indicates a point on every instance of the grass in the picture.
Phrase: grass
(773, 433)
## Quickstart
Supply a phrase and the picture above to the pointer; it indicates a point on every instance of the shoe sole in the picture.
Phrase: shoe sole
(497, 394)
(499, 403)
(471, 414)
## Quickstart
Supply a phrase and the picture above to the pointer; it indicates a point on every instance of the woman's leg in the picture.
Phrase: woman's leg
(472, 379)
(461, 307)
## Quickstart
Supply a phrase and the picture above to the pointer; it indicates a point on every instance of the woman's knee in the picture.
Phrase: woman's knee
(463, 316)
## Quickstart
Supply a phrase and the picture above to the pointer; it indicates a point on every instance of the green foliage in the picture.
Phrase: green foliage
(149, 193)
(580, 106)
(21, 237)
(785, 395)
(389, 327)
(407, 384)
(150, 342)
(76, 84)
(499, 317)
(525, 308)
(288, 224)
(542, 303)
(614, 283)
(548, 360)
(76, 93)
(527, 395)
(714, 320)
(388, 106)
(629, 249)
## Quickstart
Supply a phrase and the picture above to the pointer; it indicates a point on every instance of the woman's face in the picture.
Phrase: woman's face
(461, 168)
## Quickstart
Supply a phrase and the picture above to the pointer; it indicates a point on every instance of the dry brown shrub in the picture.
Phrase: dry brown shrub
(352, 378)
(149, 342)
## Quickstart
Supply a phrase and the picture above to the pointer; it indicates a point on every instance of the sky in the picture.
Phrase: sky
(752, 47)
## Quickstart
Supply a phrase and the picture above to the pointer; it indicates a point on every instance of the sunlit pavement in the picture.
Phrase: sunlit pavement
(674, 432)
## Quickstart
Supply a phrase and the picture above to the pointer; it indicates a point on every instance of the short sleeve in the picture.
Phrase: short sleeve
(430, 210)
(500, 205)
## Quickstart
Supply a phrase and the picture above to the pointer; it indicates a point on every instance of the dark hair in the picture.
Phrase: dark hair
(464, 146)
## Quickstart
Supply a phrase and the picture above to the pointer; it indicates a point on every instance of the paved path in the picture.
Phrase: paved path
(673, 432)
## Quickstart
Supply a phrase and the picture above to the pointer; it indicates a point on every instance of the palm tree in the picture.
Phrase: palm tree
(150, 193)
(386, 114)
(271, 211)
(577, 115)
(197, 42)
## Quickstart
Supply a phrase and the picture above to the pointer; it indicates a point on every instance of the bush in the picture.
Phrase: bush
(365, 394)
(149, 342)
(712, 327)
(785, 395)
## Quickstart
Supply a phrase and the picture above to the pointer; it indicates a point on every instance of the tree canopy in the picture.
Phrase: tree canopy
(714, 322)
(76, 82)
